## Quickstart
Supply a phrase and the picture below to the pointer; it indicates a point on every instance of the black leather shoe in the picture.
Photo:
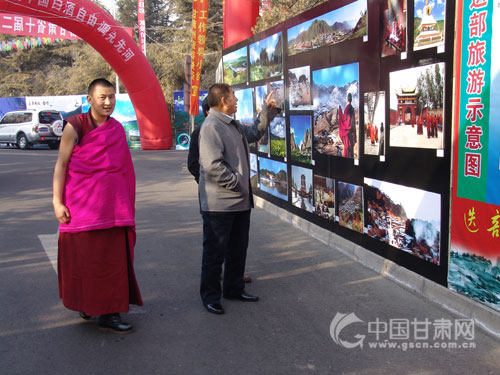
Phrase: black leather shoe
(84, 316)
(245, 297)
(113, 323)
(215, 308)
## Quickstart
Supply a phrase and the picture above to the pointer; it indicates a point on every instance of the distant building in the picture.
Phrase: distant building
(407, 105)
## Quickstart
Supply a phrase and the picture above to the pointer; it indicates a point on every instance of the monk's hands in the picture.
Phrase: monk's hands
(62, 213)
(271, 101)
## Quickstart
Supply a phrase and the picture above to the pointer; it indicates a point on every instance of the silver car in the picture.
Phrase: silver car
(31, 126)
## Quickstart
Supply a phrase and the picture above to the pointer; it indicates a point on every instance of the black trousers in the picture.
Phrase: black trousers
(225, 240)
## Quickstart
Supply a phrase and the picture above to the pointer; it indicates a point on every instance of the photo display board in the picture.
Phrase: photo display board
(362, 146)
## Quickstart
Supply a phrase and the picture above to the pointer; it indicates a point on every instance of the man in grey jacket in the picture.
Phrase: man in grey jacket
(226, 195)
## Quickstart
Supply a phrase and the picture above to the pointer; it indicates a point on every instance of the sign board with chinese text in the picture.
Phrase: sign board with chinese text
(475, 214)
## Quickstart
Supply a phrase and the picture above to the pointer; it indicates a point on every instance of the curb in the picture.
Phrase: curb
(485, 317)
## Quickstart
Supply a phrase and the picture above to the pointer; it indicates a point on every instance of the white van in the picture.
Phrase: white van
(31, 126)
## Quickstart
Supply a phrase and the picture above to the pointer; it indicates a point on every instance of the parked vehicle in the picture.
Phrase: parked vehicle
(31, 126)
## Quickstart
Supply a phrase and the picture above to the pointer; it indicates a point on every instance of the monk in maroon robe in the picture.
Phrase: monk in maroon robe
(94, 202)
(347, 128)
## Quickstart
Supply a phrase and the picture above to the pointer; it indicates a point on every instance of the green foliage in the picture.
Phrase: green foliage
(297, 156)
(278, 147)
(67, 68)
(281, 10)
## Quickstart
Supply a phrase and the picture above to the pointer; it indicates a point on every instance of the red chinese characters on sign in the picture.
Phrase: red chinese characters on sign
(475, 80)
(477, 24)
(31, 26)
(472, 165)
(200, 18)
(473, 134)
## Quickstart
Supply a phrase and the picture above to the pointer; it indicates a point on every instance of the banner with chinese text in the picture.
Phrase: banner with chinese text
(141, 22)
(475, 229)
(17, 24)
(200, 17)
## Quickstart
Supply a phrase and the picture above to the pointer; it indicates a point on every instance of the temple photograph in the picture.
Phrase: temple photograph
(416, 107)
(302, 188)
(273, 178)
(429, 24)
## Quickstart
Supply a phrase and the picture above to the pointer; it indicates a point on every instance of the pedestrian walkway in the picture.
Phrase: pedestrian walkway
(320, 312)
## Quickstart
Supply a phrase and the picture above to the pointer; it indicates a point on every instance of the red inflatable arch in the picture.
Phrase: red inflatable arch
(108, 37)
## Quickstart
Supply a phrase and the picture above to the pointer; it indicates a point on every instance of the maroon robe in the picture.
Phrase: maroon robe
(95, 268)
(347, 130)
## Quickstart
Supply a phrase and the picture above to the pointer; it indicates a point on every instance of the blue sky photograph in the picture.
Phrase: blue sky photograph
(268, 44)
(337, 75)
(235, 55)
(278, 127)
(298, 126)
(438, 8)
(260, 95)
(271, 165)
(348, 13)
(245, 105)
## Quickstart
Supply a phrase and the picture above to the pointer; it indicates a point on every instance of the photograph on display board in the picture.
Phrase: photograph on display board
(339, 25)
(301, 139)
(351, 206)
(429, 24)
(416, 107)
(261, 93)
(266, 58)
(394, 38)
(273, 178)
(277, 129)
(374, 123)
(404, 217)
(299, 88)
(235, 67)
(336, 110)
(244, 112)
(263, 143)
(324, 197)
(254, 178)
(302, 188)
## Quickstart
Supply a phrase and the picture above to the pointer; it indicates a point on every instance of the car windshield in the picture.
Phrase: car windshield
(48, 117)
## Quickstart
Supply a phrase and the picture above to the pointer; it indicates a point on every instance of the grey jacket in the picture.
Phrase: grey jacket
(225, 162)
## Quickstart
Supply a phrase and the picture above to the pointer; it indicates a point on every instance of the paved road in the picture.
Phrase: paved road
(302, 283)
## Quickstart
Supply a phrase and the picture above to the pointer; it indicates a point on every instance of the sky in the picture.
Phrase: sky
(298, 126)
(337, 75)
(437, 11)
(271, 165)
(278, 127)
(235, 55)
(245, 104)
(268, 44)
(349, 12)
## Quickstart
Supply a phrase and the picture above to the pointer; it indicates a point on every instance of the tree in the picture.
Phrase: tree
(281, 10)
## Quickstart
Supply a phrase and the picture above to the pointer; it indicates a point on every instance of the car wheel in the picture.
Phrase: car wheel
(22, 142)
(54, 145)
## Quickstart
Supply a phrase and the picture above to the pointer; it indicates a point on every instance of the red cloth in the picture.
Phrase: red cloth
(347, 130)
(95, 271)
(99, 190)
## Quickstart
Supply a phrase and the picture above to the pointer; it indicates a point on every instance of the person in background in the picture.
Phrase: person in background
(225, 195)
(193, 163)
(94, 202)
